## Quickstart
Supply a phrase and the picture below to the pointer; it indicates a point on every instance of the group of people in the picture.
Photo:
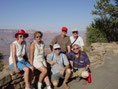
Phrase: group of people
(67, 58)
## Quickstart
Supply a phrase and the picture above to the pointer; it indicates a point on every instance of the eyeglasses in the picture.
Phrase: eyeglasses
(57, 49)
(75, 32)
(38, 36)
(75, 48)
(22, 36)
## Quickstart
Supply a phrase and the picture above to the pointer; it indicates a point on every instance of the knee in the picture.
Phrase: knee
(32, 68)
(55, 83)
(26, 69)
(68, 71)
(44, 71)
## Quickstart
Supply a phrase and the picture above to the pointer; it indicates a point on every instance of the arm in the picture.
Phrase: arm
(52, 43)
(71, 63)
(68, 47)
(50, 62)
(32, 48)
(66, 67)
(13, 47)
(25, 56)
(82, 48)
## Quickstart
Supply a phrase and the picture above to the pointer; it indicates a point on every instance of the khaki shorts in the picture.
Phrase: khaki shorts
(78, 72)
(56, 76)
(38, 64)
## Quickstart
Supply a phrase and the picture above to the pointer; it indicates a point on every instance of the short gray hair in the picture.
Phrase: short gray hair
(76, 45)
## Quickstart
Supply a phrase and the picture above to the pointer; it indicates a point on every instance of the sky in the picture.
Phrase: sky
(46, 15)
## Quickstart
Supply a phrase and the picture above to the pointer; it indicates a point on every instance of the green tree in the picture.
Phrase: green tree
(95, 32)
(106, 9)
(104, 28)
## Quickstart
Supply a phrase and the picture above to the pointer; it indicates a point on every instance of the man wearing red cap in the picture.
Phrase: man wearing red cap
(62, 40)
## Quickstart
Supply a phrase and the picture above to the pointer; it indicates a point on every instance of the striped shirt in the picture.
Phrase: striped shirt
(80, 62)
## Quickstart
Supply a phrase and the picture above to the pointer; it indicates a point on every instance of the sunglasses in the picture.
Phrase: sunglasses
(75, 32)
(75, 48)
(22, 36)
(38, 36)
(57, 49)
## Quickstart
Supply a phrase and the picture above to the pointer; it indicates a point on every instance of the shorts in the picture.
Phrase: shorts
(78, 72)
(21, 65)
(38, 64)
(56, 76)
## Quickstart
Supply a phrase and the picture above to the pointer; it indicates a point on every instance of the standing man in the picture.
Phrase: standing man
(59, 66)
(62, 40)
(75, 39)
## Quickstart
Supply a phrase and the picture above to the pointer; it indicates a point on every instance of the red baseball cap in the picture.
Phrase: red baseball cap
(21, 31)
(64, 29)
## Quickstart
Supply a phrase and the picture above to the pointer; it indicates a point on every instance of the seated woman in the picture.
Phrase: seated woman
(16, 60)
(37, 58)
(79, 62)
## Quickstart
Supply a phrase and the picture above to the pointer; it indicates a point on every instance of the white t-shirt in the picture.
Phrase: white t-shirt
(79, 41)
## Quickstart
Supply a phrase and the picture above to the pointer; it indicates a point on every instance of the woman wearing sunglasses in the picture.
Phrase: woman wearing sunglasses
(16, 59)
(37, 59)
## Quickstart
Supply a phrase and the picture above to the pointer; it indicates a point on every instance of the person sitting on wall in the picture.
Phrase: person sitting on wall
(37, 59)
(16, 59)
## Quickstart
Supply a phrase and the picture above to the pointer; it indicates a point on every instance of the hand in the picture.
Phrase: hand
(62, 71)
(84, 69)
(52, 63)
(17, 70)
(71, 62)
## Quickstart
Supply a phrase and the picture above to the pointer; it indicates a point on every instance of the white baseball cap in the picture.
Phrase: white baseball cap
(55, 46)
(75, 30)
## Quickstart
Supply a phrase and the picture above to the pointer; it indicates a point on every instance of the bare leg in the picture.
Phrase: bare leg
(26, 76)
(32, 73)
(43, 73)
(55, 83)
(46, 79)
(68, 73)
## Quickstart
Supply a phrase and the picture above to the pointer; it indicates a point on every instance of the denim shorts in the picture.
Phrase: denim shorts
(21, 65)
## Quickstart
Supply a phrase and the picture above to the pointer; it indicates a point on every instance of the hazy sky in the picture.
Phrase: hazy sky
(45, 15)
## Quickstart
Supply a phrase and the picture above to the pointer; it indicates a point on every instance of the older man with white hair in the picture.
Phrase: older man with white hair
(76, 39)
(79, 61)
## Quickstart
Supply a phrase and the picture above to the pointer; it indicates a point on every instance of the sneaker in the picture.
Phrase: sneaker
(39, 85)
(27, 88)
(49, 87)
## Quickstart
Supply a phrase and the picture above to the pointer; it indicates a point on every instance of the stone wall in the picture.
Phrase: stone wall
(10, 80)
(98, 52)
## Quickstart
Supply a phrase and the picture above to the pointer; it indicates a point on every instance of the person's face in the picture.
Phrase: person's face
(21, 37)
(38, 37)
(57, 50)
(75, 33)
(76, 49)
(64, 32)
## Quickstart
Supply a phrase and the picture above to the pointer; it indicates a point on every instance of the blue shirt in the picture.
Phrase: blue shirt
(80, 62)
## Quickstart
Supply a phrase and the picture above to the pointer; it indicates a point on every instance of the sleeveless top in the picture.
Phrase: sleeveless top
(20, 51)
(39, 51)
